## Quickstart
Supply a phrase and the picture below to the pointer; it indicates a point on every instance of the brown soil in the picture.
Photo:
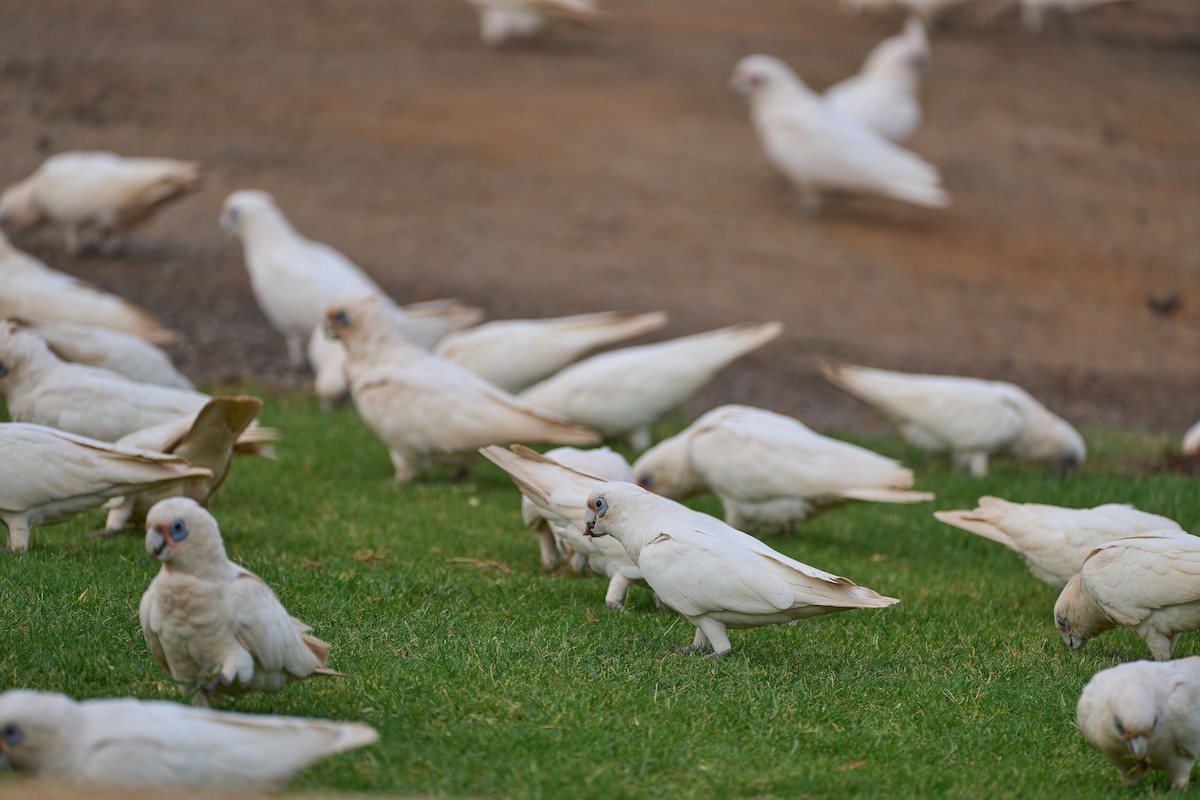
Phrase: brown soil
(617, 170)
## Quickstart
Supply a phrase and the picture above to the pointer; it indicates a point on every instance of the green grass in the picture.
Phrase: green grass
(487, 677)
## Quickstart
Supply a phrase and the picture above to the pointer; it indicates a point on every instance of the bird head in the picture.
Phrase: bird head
(20, 351)
(360, 323)
(665, 469)
(183, 535)
(242, 206)
(31, 725)
(19, 208)
(610, 506)
(1075, 614)
(756, 74)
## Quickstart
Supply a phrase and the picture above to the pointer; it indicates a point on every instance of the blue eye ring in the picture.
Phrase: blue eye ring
(601, 506)
(11, 735)
(342, 318)
(178, 531)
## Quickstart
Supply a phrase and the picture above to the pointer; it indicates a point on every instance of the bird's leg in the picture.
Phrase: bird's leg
(974, 464)
(660, 605)
(640, 439)
(697, 645)
(1160, 645)
(549, 547)
(715, 631)
(18, 535)
(577, 562)
(295, 351)
(618, 587)
(118, 517)
(405, 471)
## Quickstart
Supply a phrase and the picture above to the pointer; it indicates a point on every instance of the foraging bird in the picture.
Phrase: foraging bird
(554, 490)
(883, 95)
(208, 439)
(1054, 541)
(123, 353)
(769, 470)
(514, 354)
(212, 624)
(1149, 583)
(34, 292)
(89, 401)
(96, 193)
(502, 21)
(422, 324)
(623, 392)
(970, 418)
(1144, 716)
(820, 150)
(48, 476)
(714, 575)
(146, 744)
(425, 408)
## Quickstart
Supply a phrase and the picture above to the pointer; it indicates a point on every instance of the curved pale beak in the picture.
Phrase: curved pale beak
(1072, 641)
(157, 544)
(589, 528)
(1138, 745)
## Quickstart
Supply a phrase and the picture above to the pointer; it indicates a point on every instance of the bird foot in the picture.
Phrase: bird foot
(614, 605)
(686, 651)
(208, 681)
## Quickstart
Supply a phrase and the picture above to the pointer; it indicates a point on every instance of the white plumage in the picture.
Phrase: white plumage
(1149, 583)
(1054, 541)
(131, 744)
(36, 293)
(714, 575)
(927, 10)
(502, 21)
(95, 193)
(969, 418)
(1145, 716)
(514, 354)
(48, 476)
(1191, 441)
(623, 392)
(123, 353)
(819, 149)
(769, 470)
(89, 401)
(1033, 11)
(425, 408)
(883, 95)
(212, 624)
(554, 490)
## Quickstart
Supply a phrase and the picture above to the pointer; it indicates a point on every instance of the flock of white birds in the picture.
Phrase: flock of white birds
(102, 417)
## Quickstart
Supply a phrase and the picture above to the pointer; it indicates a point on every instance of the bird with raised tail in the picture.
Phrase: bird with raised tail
(123, 353)
(1145, 716)
(555, 489)
(1149, 583)
(503, 21)
(213, 625)
(145, 744)
(208, 439)
(769, 471)
(425, 408)
(623, 392)
(95, 194)
(423, 324)
(883, 95)
(43, 389)
(48, 476)
(820, 150)
(514, 354)
(36, 293)
(716, 576)
(1054, 541)
(970, 418)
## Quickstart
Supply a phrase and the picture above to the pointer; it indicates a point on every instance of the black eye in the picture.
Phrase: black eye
(1063, 623)
(3, 370)
(11, 735)
(646, 481)
(1120, 727)
(342, 318)
(179, 531)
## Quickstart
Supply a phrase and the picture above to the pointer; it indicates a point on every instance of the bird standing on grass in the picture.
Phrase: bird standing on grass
(714, 575)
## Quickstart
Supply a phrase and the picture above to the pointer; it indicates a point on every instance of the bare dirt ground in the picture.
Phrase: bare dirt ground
(619, 171)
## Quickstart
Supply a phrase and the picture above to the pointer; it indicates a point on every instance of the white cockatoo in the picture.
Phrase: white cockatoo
(208, 439)
(36, 293)
(769, 470)
(425, 408)
(716, 576)
(969, 418)
(502, 21)
(554, 491)
(43, 389)
(1053, 540)
(95, 193)
(152, 745)
(212, 624)
(883, 95)
(1143, 716)
(820, 150)
(514, 354)
(1033, 11)
(927, 10)
(48, 476)
(1191, 441)
(1149, 583)
(423, 324)
(623, 392)
(123, 353)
